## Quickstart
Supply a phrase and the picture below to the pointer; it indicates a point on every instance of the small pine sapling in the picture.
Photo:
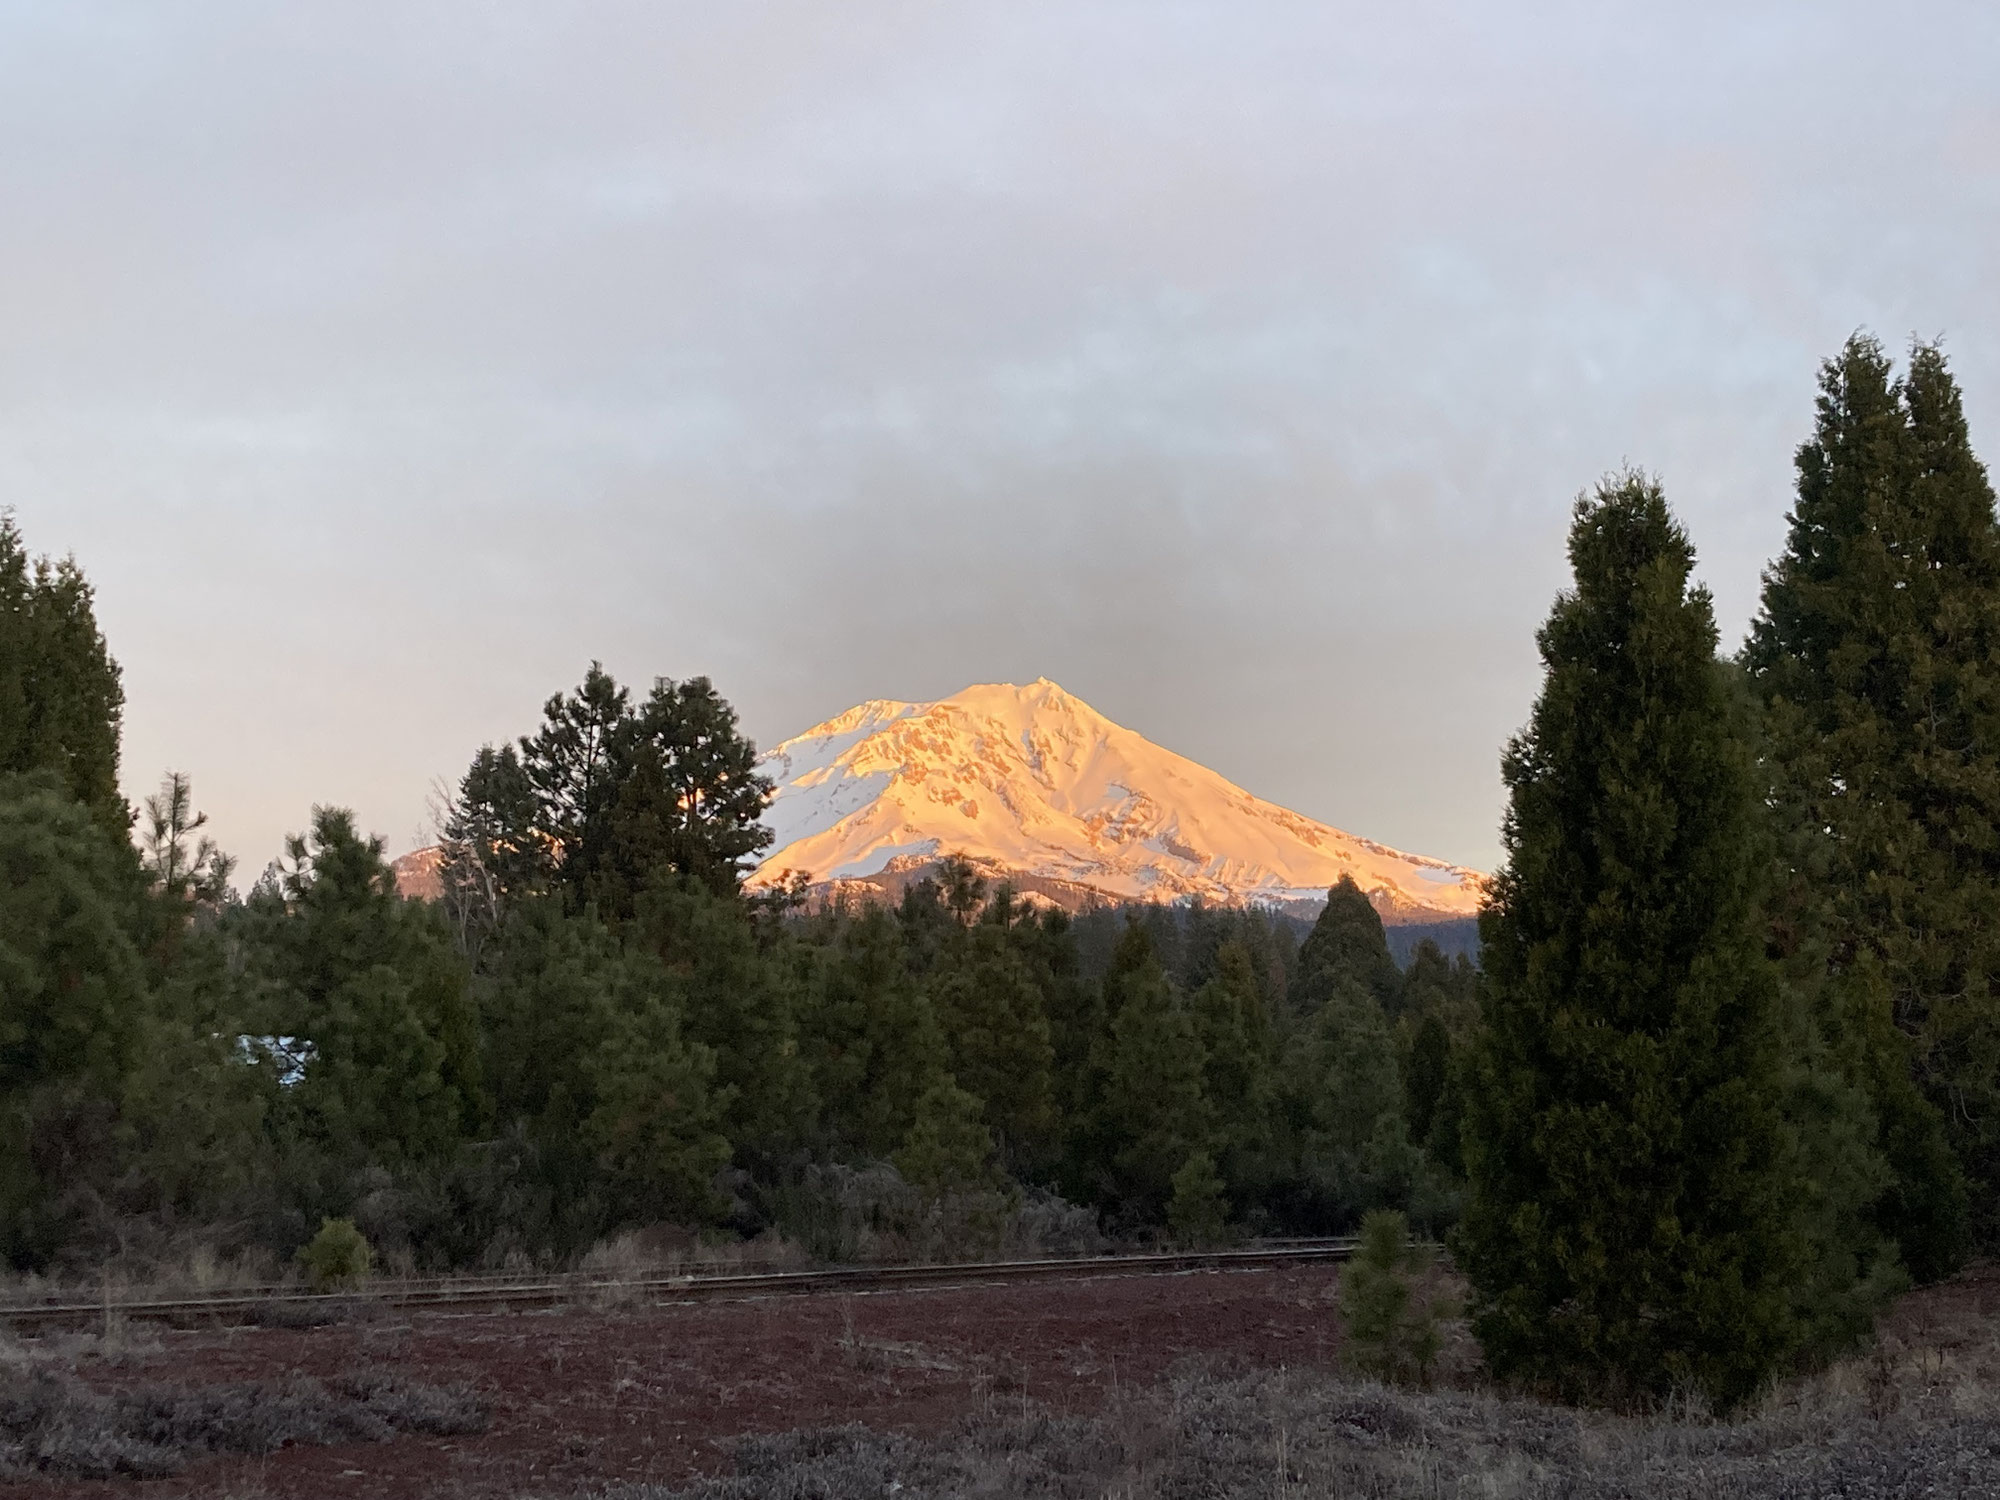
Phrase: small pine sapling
(1392, 1323)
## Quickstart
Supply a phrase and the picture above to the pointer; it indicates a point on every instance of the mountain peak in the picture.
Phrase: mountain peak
(1030, 780)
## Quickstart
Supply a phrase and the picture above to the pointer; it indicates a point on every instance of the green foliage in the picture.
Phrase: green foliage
(72, 1008)
(61, 701)
(1877, 655)
(867, 1028)
(1198, 1210)
(949, 1147)
(337, 1257)
(738, 998)
(1390, 1322)
(592, 1021)
(1630, 1228)
(1426, 1071)
(1347, 945)
(655, 1122)
(606, 799)
(991, 1010)
(373, 982)
(1154, 1108)
(184, 863)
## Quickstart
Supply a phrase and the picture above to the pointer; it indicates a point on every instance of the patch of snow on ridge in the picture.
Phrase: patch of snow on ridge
(1033, 780)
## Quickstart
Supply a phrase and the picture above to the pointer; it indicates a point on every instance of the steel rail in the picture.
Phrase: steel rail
(476, 1296)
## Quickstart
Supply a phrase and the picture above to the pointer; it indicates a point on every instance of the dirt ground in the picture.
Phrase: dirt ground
(585, 1397)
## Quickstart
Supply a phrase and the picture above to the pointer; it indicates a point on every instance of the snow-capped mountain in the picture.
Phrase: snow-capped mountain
(1035, 784)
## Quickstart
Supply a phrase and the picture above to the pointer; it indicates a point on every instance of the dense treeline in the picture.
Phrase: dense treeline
(595, 1029)
(1730, 1079)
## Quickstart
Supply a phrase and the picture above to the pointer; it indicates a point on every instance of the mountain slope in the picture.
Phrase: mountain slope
(1033, 782)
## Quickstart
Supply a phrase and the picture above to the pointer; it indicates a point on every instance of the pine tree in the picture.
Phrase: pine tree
(996, 1030)
(1154, 1111)
(869, 1034)
(1235, 1035)
(1390, 1321)
(1877, 654)
(949, 1148)
(492, 858)
(72, 1007)
(373, 982)
(1347, 943)
(654, 1118)
(738, 999)
(183, 862)
(689, 797)
(1629, 1227)
(622, 797)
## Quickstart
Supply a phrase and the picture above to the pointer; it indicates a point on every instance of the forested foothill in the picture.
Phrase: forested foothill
(1728, 1080)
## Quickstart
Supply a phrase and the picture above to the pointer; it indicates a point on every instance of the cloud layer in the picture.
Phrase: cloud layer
(1233, 365)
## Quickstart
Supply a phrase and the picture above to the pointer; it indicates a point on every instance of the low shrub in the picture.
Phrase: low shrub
(52, 1424)
(338, 1256)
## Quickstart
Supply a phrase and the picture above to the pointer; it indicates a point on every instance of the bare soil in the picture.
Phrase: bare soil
(585, 1397)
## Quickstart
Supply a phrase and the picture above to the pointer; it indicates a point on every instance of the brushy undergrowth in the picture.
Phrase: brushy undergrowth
(1284, 1435)
(54, 1424)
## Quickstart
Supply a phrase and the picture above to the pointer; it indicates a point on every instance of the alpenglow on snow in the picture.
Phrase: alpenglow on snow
(1033, 784)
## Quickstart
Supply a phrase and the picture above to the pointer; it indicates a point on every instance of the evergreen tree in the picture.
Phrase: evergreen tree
(1337, 1120)
(1235, 1035)
(1347, 943)
(1630, 1226)
(689, 797)
(740, 1001)
(1391, 1325)
(73, 1005)
(1154, 1109)
(373, 983)
(61, 701)
(183, 862)
(491, 857)
(869, 1034)
(949, 1148)
(997, 1035)
(619, 796)
(1877, 653)
(571, 766)
(654, 1121)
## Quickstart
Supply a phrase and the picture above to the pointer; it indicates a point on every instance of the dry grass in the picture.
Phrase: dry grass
(1917, 1416)
(1281, 1436)
(188, 1267)
(53, 1422)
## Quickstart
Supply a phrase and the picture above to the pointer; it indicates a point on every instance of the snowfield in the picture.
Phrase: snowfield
(1035, 781)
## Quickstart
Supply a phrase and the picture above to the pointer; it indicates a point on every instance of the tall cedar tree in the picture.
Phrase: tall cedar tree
(1629, 1229)
(1877, 653)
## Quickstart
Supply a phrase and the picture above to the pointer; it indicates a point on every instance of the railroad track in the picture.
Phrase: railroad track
(271, 1304)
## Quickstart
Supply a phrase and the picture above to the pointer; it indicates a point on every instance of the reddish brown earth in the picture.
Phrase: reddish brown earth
(585, 1397)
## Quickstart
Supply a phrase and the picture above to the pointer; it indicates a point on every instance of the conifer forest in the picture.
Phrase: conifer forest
(1724, 1080)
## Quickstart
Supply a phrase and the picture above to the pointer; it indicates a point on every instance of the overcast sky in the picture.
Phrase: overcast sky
(1232, 364)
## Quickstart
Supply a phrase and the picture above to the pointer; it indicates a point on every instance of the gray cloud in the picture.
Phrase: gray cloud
(1233, 365)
